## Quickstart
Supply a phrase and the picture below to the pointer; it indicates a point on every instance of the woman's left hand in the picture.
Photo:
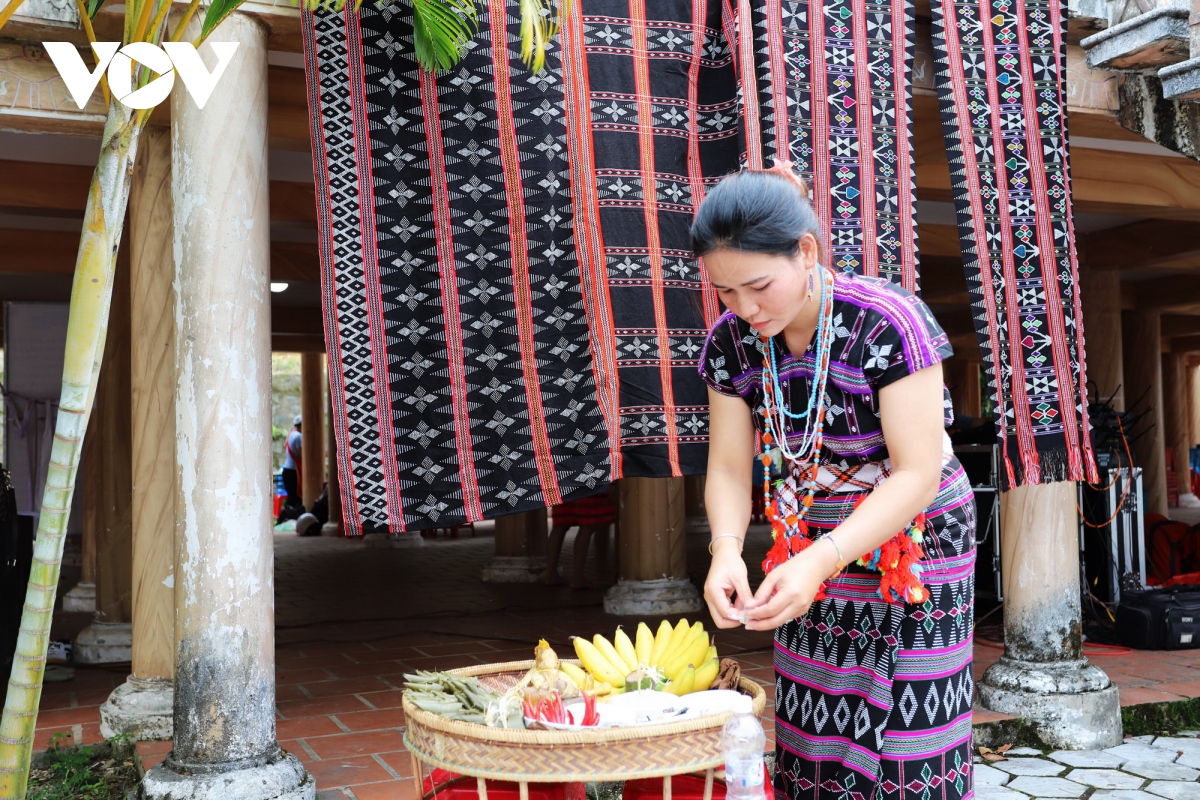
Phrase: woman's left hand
(789, 589)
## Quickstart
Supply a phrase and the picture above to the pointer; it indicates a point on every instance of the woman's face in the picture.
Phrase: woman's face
(767, 291)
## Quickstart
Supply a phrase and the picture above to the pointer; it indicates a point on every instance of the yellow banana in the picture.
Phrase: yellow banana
(698, 650)
(595, 662)
(662, 640)
(625, 650)
(610, 653)
(706, 674)
(712, 652)
(684, 684)
(577, 675)
(678, 636)
(643, 644)
(680, 654)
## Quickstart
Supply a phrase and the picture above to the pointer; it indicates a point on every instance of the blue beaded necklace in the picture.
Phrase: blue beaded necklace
(774, 399)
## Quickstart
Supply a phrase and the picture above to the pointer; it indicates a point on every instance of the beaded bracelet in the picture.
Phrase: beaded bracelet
(841, 562)
(741, 541)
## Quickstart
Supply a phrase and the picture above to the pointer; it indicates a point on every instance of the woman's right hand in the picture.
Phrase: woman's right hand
(727, 576)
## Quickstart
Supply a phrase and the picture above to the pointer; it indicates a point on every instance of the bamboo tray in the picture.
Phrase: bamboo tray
(523, 756)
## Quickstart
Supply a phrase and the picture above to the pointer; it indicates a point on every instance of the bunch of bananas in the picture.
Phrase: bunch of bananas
(679, 659)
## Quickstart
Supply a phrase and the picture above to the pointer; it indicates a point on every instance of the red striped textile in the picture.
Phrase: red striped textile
(835, 82)
(507, 274)
(1001, 74)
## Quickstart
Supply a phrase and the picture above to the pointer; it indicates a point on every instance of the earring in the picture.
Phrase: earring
(810, 286)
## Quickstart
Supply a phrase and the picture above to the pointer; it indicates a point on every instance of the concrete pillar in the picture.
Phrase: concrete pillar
(1043, 676)
(312, 411)
(224, 728)
(109, 639)
(695, 514)
(334, 526)
(1100, 294)
(652, 558)
(1142, 352)
(142, 706)
(1176, 413)
(520, 549)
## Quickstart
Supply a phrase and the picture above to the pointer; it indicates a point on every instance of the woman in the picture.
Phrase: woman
(873, 682)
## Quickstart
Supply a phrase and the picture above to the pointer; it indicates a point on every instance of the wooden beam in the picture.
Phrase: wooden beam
(37, 99)
(1173, 325)
(297, 343)
(1148, 244)
(938, 240)
(1176, 292)
(64, 187)
(38, 251)
(1185, 344)
(1104, 181)
(54, 252)
(298, 322)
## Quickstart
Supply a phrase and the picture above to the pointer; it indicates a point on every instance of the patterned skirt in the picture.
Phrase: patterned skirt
(872, 699)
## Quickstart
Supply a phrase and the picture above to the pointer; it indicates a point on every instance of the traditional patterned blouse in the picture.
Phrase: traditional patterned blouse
(882, 332)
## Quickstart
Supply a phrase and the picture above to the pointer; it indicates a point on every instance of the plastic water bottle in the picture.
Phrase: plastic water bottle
(743, 741)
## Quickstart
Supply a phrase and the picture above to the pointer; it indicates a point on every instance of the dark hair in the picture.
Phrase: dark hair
(755, 211)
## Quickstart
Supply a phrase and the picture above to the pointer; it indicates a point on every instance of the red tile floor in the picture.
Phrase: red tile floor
(350, 621)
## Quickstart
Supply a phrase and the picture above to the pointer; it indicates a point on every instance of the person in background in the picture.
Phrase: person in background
(593, 515)
(291, 465)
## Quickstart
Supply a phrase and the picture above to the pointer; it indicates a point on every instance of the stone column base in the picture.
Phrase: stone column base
(410, 539)
(331, 529)
(652, 598)
(515, 569)
(81, 599)
(1189, 500)
(105, 643)
(282, 777)
(1071, 705)
(144, 710)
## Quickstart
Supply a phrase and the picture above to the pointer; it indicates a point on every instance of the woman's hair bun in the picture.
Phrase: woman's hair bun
(786, 169)
(756, 211)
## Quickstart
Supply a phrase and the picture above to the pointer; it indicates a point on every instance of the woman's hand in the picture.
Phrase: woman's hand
(790, 588)
(726, 575)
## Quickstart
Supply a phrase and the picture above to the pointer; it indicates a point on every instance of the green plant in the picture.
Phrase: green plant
(443, 32)
(101, 772)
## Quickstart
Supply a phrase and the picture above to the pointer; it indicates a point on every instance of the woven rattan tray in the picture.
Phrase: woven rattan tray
(607, 754)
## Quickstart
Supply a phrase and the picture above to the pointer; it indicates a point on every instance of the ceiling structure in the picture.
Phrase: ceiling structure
(1137, 204)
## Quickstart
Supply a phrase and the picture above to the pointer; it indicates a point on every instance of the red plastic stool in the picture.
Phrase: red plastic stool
(452, 786)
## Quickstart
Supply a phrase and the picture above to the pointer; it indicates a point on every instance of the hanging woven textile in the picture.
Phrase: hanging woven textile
(1001, 87)
(842, 72)
(515, 315)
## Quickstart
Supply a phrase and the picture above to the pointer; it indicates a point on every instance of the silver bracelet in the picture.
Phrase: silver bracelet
(741, 541)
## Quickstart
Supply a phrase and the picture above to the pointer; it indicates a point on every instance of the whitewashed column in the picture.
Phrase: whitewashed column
(224, 737)
(1043, 676)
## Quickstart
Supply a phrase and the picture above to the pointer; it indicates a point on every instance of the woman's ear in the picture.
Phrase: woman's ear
(810, 250)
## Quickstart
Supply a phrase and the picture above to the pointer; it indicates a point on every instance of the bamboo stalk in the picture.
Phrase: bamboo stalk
(9, 10)
(91, 293)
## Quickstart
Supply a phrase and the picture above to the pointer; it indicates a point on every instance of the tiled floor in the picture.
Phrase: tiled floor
(352, 620)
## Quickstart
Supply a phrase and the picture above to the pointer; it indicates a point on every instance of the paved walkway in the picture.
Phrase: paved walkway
(1143, 768)
(351, 620)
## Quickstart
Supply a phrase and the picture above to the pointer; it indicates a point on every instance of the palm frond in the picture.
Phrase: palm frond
(216, 13)
(443, 30)
(539, 24)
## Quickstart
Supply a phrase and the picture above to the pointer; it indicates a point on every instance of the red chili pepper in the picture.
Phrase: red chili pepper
(590, 717)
